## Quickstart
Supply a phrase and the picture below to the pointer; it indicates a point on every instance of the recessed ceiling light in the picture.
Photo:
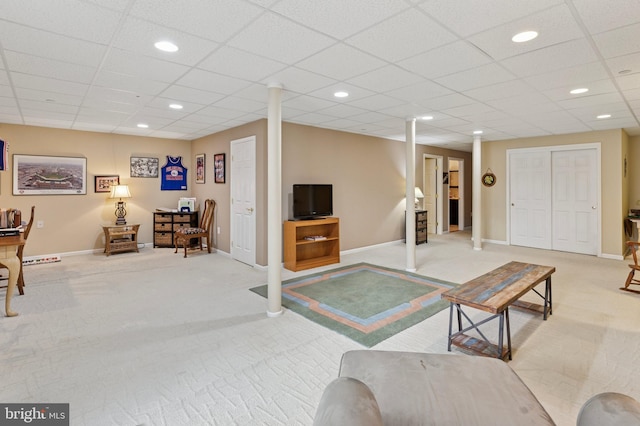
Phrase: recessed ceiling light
(426, 117)
(176, 106)
(477, 132)
(578, 91)
(604, 116)
(341, 94)
(524, 36)
(166, 46)
(143, 125)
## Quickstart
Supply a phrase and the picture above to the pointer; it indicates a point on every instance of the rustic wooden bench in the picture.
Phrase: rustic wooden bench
(494, 292)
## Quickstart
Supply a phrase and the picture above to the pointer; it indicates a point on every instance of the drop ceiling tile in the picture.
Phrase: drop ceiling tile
(299, 81)
(402, 36)
(386, 78)
(236, 63)
(376, 102)
(238, 104)
(129, 63)
(590, 112)
(72, 18)
(554, 25)
(601, 16)
(342, 111)
(449, 59)
(53, 107)
(626, 62)
(105, 105)
(8, 101)
(355, 93)
(469, 110)
(584, 101)
(340, 62)
(19, 38)
(485, 75)
(595, 88)
(504, 90)
(629, 81)
(275, 37)
(39, 95)
(138, 36)
(632, 95)
(217, 112)
(49, 121)
(29, 64)
(473, 16)
(205, 80)
(577, 76)
(612, 123)
(168, 134)
(129, 83)
(215, 20)
(307, 103)
(314, 118)
(564, 55)
(188, 94)
(420, 93)
(114, 95)
(339, 18)
(618, 42)
(48, 84)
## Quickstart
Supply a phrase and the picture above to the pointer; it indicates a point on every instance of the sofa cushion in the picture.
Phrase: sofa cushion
(611, 409)
(438, 389)
(347, 401)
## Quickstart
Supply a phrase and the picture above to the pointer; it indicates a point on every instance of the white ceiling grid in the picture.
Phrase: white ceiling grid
(91, 65)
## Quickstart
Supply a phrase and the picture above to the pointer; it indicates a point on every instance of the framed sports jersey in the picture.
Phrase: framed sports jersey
(174, 175)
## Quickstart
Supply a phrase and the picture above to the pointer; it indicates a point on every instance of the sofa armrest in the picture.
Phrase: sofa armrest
(347, 401)
(611, 409)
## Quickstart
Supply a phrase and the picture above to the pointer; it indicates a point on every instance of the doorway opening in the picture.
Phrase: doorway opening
(456, 194)
(433, 190)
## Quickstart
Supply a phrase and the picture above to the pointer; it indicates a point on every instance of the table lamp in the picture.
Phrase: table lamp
(120, 191)
(419, 195)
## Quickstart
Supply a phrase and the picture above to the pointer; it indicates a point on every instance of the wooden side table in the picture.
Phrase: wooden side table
(120, 238)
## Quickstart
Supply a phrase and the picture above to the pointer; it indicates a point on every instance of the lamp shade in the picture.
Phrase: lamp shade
(120, 191)
(419, 193)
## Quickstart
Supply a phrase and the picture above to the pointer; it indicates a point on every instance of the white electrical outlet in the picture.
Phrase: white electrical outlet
(218, 230)
(40, 224)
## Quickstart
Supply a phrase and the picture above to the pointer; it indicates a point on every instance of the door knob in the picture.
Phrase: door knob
(250, 209)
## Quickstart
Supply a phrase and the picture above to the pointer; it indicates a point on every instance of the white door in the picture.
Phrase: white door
(243, 200)
(430, 193)
(530, 198)
(575, 201)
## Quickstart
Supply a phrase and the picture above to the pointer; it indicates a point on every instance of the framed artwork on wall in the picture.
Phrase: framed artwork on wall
(104, 182)
(45, 175)
(218, 168)
(200, 168)
(144, 167)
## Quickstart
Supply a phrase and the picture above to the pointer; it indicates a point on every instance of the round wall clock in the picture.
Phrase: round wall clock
(488, 179)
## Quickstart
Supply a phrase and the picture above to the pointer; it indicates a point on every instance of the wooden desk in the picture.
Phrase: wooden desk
(494, 292)
(9, 259)
(120, 238)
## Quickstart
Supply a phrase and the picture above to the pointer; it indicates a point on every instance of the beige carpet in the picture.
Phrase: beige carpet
(156, 339)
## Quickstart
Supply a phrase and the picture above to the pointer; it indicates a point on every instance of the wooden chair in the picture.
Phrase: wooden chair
(633, 246)
(20, 252)
(183, 236)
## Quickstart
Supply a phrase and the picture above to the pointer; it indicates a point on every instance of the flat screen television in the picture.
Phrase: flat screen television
(312, 201)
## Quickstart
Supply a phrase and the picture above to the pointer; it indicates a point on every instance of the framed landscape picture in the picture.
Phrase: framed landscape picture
(200, 168)
(218, 168)
(144, 167)
(44, 175)
(104, 182)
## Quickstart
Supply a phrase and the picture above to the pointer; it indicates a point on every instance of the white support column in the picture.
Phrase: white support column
(410, 222)
(476, 206)
(274, 202)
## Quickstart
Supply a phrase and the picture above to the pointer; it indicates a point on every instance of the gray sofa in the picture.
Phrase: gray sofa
(404, 388)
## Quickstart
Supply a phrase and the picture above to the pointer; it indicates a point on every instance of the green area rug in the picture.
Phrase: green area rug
(364, 302)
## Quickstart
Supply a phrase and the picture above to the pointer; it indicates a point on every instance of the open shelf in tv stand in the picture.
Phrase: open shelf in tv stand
(300, 254)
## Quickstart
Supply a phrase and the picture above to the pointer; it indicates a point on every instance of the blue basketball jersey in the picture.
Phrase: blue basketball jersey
(174, 175)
